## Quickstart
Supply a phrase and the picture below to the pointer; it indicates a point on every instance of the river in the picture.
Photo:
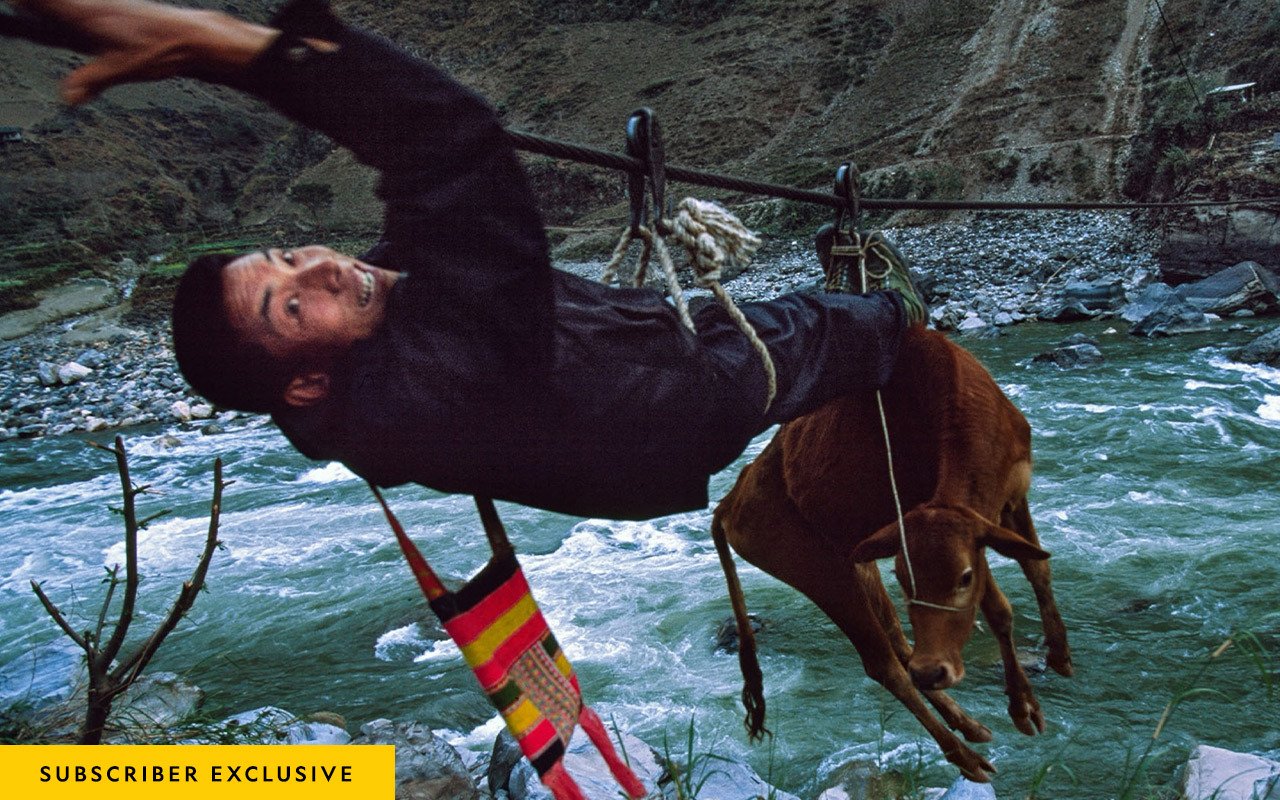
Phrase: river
(1154, 491)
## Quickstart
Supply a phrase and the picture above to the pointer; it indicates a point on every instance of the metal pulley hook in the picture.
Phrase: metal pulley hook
(644, 142)
(849, 189)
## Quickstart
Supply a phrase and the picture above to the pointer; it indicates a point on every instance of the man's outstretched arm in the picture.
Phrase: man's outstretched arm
(138, 40)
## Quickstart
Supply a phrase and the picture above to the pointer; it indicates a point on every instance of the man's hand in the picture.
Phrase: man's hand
(139, 40)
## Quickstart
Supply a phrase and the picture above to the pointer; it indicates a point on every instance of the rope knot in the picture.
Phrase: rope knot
(711, 236)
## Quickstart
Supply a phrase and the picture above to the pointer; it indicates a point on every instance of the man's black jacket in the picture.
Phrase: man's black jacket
(494, 373)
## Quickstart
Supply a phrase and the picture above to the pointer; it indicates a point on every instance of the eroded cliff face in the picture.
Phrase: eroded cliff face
(1017, 99)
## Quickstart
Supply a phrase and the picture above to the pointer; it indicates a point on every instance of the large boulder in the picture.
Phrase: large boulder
(271, 725)
(585, 765)
(717, 779)
(1077, 350)
(1247, 286)
(964, 789)
(1159, 311)
(427, 767)
(1094, 296)
(1263, 350)
(157, 701)
(1202, 242)
(862, 778)
(1213, 773)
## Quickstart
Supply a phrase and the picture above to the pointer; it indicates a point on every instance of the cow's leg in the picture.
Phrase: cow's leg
(766, 529)
(1024, 709)
(853, 613)
(1017, 517)
(845, 597)
(948, 709)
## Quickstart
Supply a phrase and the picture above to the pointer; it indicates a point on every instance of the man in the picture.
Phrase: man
(454, 355)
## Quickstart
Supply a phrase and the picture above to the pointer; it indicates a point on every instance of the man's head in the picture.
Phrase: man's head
(261, 331)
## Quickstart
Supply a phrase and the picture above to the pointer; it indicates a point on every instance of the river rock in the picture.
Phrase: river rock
(1077, 350)
(93, 359)
(587, 768)
(964, 789)
(972, 323)
(47, 372)
(154, 703)
(1063, 311)
(427, 767)
(1246, 286)
(71, 372)
(272, 725)
(727, 633)
(1263, 350)
(201, 411)
(159, 700)
(1212, 773)
(40, 676)
(725, 780)
(506, 754)
(1159, 311)
(180, 410)
(1095, 296)
(863, 778)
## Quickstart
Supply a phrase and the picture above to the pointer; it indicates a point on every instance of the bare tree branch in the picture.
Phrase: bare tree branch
(108, 653)
(105, 683)
(137, 662)
(58, 618)
(106, 603)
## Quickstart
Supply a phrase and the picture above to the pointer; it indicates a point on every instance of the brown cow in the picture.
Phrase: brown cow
(816, 509)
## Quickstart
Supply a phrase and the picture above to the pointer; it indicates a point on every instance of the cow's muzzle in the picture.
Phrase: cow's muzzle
(931, 675)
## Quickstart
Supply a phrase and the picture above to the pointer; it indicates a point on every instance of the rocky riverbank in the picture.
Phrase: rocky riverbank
(114, 368)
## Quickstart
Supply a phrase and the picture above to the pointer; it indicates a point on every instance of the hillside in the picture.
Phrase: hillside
(1013, 99)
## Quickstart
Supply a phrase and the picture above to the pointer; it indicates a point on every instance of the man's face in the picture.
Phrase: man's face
(308, 303)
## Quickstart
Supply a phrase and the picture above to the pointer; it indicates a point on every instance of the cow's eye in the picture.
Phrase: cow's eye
(966, 579)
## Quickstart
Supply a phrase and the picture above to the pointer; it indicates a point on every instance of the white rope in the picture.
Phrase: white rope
(711, 235)
(888, 451)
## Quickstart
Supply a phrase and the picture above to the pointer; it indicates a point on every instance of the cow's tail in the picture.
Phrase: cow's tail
(752, 678)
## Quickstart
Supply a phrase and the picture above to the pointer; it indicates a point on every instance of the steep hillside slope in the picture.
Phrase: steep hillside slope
(1027, 99)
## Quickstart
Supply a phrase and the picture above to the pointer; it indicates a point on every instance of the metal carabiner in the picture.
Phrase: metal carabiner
(849, 189)
(644, 142)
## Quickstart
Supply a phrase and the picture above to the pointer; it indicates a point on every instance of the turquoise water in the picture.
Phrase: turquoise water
(1153, 490)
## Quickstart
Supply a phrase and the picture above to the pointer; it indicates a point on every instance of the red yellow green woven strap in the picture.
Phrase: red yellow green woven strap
(506, 641)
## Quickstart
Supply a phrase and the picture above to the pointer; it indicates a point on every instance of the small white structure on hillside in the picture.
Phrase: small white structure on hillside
(1241, 91)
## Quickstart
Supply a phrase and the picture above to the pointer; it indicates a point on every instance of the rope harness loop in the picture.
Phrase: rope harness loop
(860, 246)
(710, 234)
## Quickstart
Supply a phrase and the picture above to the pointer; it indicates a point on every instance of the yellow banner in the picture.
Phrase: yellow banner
(195, 772)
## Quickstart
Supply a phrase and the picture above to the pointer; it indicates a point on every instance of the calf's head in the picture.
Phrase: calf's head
(944, 575)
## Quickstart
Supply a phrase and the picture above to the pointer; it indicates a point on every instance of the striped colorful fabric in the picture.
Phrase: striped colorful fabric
(506, 641)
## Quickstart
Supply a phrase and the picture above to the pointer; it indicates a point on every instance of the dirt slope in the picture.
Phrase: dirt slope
(956, 98)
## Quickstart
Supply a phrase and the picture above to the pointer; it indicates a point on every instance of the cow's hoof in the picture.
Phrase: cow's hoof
(1061, 663)
(1026, 716)
(973, 766)
(974, 731)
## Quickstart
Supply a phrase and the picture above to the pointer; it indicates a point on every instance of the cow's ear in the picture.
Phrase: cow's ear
(1007, 543)
(884, 543)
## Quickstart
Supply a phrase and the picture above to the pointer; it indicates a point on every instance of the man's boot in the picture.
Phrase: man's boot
(841, 253)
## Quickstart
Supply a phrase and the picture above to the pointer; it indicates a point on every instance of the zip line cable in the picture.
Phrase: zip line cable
(543, 145)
